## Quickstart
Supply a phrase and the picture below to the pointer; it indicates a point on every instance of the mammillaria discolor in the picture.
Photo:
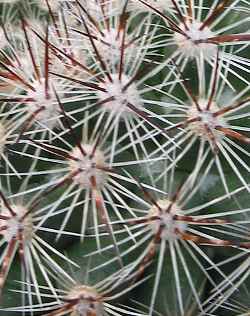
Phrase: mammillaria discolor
(125, 157)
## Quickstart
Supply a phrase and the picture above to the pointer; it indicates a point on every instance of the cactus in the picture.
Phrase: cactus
(124, 129)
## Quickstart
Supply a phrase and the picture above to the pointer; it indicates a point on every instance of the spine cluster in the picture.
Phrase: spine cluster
(125, 157)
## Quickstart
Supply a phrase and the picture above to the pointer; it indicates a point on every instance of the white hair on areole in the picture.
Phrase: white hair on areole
(89, 166)
(121, 96)
(46, 102)
(15, 223)
(88, 301)
(166, 222)
(187, 44)
(206, 121)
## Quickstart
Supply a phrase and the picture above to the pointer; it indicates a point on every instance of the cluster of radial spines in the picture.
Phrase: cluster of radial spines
(91, 181)
(116, 82)
(195, 31)
(218, 122)
(168, 227)
(27, 87)
(21, 241)
(74, 295)
(97, 55)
